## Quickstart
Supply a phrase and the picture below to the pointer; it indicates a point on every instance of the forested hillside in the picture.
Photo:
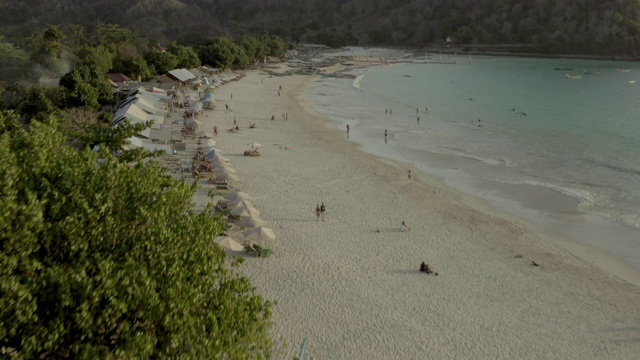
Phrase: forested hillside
(604, 27)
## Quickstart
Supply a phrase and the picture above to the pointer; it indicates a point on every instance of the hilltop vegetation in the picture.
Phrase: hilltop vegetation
(590, 27)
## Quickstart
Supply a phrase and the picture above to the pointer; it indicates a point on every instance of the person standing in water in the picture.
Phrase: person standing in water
(385, 132)
(347, 128)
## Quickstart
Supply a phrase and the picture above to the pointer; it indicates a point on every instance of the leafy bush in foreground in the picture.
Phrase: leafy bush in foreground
(101, 259)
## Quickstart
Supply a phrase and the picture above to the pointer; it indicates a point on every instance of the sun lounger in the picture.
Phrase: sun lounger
(223, 187)
(262, 252)
(217, 181)
(250, 250)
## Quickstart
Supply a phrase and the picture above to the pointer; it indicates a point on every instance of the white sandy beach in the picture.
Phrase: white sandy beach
(356, 293)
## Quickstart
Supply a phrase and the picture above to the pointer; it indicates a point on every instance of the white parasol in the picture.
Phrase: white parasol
(237, 194)
(228, 243)
(251, 222)
(245, 212)
(259, 233)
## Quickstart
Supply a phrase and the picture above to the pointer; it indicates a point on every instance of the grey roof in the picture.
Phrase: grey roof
(182, 74)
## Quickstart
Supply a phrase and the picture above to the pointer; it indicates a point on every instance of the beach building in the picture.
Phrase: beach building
(119, 78)
(183, 76)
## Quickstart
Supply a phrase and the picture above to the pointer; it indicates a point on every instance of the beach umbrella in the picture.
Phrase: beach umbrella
(209, 142)
(211, 154)
(195, 107)
(228, 243)
(237, 194)
(241, 203)
(207, 149)
(218, 163)
(251, 222)
(223, 168)
(220, 158)
(254, 145)
(225, 176)
(228, 170)
(245, 212)
(208, 96)
(205, 135)
(192, 123)
(260, 233)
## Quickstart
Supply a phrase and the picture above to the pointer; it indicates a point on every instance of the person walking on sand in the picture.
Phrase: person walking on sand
(385, 132)
(317, 212)
(323, 211)
(215, 130)
(404, 227)
(409, 174)
(347, 128)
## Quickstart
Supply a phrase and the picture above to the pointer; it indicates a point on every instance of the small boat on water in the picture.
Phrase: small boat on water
(406, 75)
(564, 69)
(623, 70)
(573, 77)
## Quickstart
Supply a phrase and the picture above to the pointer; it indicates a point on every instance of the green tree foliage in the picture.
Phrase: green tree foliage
(252, 47)
(76, 33)
(101, 259)
(99, 56)
(186, 56)
(13, 61)
(463, 35)
(48, 44)
(112, 35)
(276, 45)
(160, 62)
(603, 27)
(134, 67)
(88, 87)
(219, 52)
(34, 102)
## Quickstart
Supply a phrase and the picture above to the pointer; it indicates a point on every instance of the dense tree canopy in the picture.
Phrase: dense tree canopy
(186, 56)
(87, 86)
(160, 62)
(604, 27)
(102, 259)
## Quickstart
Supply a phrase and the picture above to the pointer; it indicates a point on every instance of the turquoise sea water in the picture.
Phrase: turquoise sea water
(507, 120)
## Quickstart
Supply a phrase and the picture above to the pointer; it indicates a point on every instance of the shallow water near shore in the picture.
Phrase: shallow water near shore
(560, 152)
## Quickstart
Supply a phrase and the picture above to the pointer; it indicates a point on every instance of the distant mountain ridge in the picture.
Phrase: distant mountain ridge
(589, 27)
